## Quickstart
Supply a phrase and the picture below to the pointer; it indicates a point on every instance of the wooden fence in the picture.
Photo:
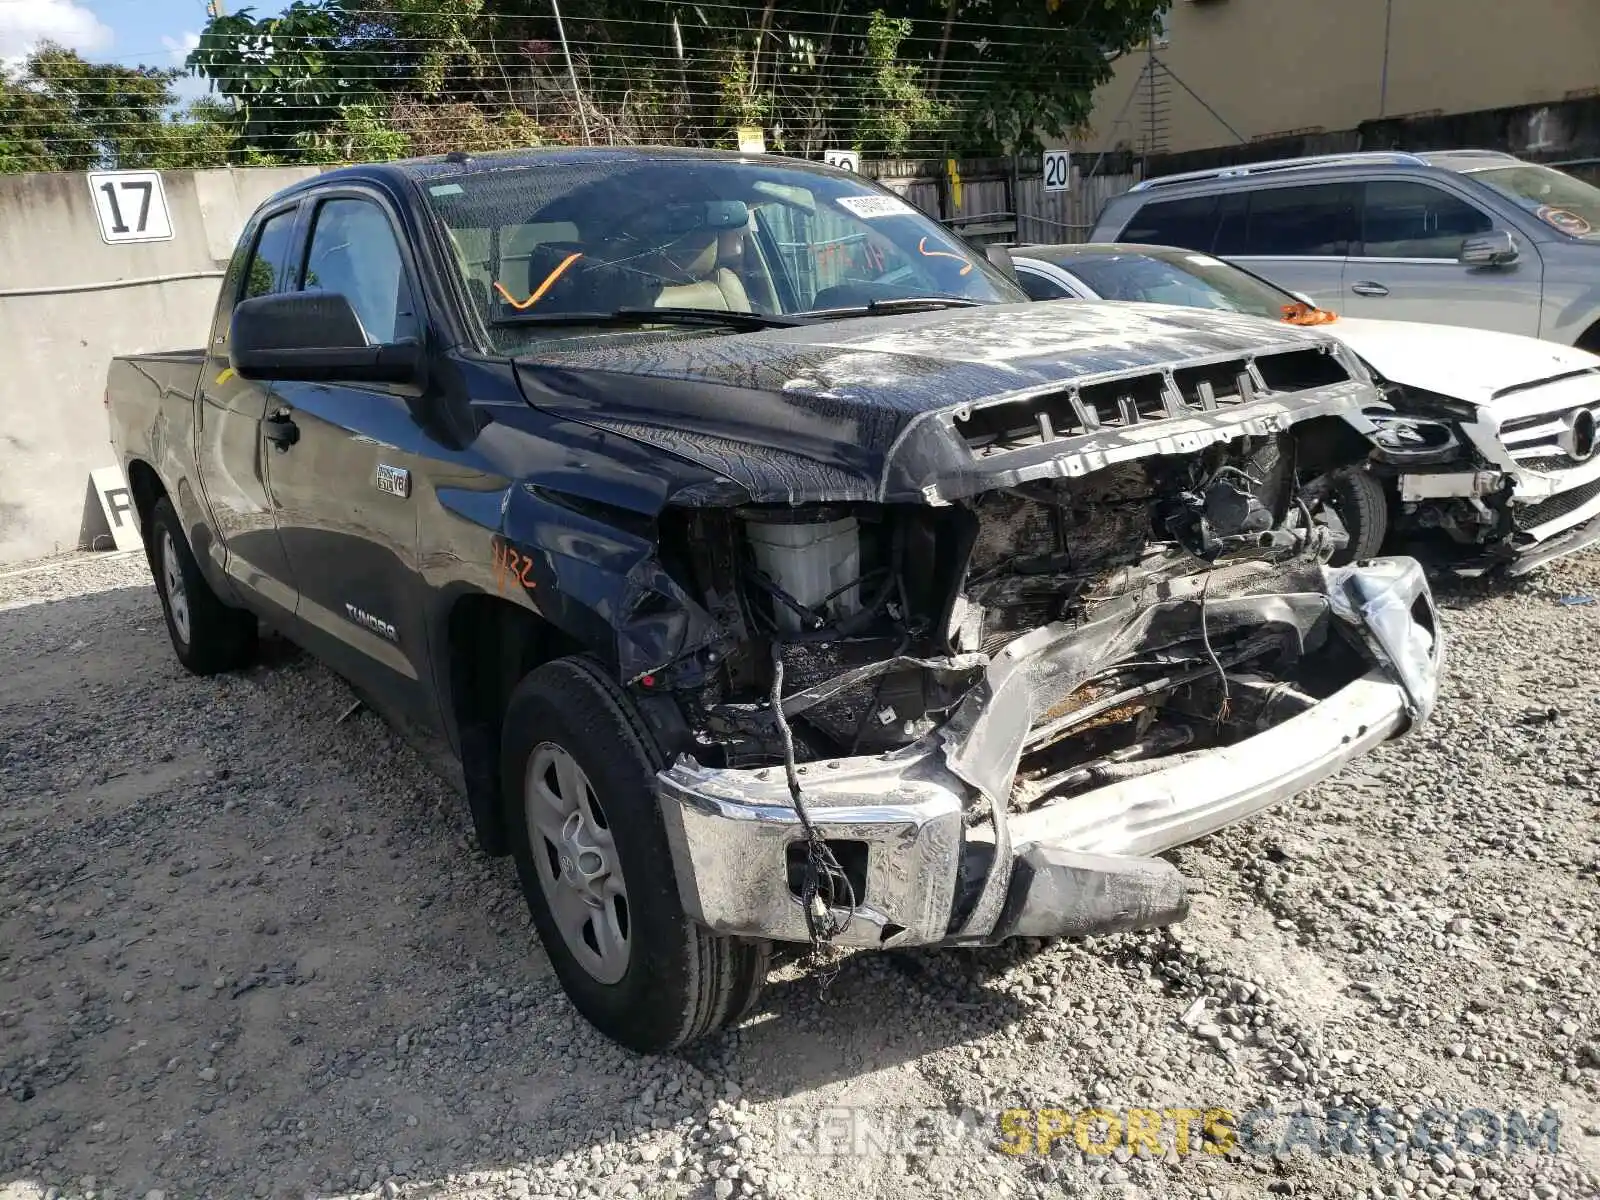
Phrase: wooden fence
(1004, 200)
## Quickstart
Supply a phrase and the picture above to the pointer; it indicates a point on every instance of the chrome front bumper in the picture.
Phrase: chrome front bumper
(1075, 866)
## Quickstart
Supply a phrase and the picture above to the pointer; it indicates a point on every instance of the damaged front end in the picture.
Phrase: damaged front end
(1086, 626)
(1513, 484)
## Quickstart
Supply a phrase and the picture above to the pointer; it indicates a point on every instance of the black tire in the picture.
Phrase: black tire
(208, 635)
(680, 982)
(1363, 508)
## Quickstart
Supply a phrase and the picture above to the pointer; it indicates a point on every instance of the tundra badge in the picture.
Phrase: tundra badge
(394, 480)
(382, 628)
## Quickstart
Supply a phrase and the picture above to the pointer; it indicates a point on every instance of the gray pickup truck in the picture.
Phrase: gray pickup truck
(769, 566)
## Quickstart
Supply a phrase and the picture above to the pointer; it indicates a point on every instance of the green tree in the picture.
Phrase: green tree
(60, 112)
(896, 106)
(925, 77)
(288, 77)
(362, 134)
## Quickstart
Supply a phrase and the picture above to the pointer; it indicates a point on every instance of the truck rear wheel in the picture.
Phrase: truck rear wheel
(578, 773)
(208, 635)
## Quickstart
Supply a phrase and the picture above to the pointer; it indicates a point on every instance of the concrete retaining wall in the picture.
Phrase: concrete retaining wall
(55, 346)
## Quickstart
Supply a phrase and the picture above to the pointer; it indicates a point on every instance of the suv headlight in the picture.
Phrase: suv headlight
(1411, 437)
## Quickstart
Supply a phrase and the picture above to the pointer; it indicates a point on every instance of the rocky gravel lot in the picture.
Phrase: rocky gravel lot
(247, 949)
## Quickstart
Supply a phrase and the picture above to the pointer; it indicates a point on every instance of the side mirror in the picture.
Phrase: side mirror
(1000, 257)
(313, 337)
(1496, 248)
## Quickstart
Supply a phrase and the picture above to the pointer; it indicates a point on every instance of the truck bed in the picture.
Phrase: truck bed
(150, 409)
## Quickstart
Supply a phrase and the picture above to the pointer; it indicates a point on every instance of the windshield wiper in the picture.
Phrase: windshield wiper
(652, 316)
(877, 308)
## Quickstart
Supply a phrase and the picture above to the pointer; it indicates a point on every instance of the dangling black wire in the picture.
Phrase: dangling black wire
(823, 876)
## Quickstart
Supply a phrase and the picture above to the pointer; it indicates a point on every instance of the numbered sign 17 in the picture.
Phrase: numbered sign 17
(845, 160)
(131, 206)
(1057, 171)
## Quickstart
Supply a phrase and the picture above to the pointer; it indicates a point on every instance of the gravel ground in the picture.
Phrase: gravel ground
(247, 949)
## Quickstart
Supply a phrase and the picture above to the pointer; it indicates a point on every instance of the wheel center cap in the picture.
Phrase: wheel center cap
(579, 859)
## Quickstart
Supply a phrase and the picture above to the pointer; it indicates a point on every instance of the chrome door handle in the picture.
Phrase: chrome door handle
(1368, 288)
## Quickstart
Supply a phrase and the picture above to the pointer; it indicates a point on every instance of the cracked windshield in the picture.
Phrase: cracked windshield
(724, 237)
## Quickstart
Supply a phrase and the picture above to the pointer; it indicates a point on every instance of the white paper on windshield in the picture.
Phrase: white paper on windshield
(867, 207)
(1203, 260)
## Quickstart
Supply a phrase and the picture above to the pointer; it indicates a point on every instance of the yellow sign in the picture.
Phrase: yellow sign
(955, 182)
(752, 140)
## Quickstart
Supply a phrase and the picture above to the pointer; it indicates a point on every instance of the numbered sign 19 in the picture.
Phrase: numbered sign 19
(1057, 171)
(131, 205)
(845, 160)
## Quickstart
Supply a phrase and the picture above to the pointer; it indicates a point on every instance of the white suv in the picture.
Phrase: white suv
(1493, 442)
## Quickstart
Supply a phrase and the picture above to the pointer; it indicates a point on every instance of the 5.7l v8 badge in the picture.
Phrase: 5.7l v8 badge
(394, 480)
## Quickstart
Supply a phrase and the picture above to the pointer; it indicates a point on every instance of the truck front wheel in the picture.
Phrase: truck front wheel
(208, 635)
(578, 773)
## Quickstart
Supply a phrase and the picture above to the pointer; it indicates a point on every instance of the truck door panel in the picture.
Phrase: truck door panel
(344, 490)
(229, 447)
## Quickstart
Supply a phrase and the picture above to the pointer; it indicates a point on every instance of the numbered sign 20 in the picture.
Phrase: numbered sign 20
(131, 205)
(1057, 171)
(845, 160)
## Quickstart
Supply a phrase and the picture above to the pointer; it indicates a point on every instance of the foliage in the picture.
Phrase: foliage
(336, 80)
(288, 76)
(361, 134)
(895, 105)
(1040, 80)
(59, 111)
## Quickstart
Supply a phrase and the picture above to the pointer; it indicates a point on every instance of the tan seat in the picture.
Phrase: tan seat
(694, 278)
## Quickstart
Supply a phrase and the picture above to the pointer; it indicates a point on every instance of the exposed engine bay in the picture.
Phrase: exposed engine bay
(883, 617)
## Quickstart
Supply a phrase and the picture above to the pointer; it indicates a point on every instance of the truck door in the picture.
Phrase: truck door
(344, 484)
(230, 450)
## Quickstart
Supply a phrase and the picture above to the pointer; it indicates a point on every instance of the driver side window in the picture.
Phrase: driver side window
(353, 250)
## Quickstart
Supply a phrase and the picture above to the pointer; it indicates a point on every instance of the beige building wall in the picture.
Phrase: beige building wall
(1284, 66)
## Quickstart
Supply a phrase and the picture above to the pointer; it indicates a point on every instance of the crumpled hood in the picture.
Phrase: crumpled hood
(825, 403)
(1466, 364)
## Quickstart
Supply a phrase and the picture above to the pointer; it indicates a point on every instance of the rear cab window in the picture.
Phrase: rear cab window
(265, 271)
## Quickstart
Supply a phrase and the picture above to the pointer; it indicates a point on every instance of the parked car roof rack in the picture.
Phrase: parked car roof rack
(1288, 164)
(1469, 154)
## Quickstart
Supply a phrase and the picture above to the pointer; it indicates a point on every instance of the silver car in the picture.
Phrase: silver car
(1460, 237)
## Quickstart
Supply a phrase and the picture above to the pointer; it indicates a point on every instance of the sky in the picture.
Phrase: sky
(155, 33)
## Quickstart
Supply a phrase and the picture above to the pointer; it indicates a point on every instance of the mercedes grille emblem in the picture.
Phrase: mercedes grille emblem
(1581, 434)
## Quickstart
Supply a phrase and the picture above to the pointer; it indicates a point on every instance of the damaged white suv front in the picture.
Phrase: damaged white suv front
(1059, 607)
(1495, 441)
